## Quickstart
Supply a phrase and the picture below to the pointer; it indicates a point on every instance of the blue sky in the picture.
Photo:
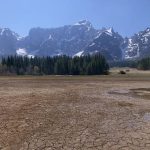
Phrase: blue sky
(125, 16)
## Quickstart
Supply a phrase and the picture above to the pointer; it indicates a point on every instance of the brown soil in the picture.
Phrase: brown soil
(74, 113)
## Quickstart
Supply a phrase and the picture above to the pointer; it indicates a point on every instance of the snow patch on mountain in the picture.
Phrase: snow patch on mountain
(147, 34)
(30, 56)
(2, 31)
(132, 50)
(19, 38)
(50, 37)
(83, 22)
(99, 34)
(79, 54)
(109, 31)
(105, 31)
(94, 52)
(21, 52)
(92, 44)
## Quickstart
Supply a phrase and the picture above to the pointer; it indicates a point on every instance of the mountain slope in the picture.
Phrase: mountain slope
(8, 41)
(107, 43)
(138, 46)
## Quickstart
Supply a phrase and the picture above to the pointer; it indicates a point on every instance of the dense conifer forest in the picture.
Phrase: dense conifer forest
(143, 64)
(60, 65)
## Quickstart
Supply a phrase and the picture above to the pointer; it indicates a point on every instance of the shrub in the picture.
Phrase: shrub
(122, 72)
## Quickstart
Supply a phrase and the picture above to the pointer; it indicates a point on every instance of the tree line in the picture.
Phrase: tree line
(142, 64)
(58, 65)
(124, 63)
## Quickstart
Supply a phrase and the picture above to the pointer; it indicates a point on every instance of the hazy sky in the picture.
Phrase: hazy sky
(125, 16)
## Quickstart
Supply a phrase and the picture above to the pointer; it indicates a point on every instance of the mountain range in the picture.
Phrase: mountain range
(78, 39)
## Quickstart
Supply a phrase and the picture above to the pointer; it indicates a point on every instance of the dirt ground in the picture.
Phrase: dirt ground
(75, 113)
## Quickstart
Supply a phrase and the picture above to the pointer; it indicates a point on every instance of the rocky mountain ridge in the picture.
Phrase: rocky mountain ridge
(78, 39)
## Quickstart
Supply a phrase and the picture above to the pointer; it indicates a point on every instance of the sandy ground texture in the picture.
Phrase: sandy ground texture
(75, 113)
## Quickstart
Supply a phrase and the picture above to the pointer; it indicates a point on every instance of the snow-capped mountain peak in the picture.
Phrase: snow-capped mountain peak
(8, 33)
(83, 23)
(107, 42)
(75, 40)
(109, 31)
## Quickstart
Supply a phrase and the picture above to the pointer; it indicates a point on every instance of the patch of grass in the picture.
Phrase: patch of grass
(125, 104)
(142, 92)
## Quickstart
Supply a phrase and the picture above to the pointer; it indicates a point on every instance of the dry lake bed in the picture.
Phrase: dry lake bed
(75, 113)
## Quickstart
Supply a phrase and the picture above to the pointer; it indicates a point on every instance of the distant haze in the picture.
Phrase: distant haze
(125, 16)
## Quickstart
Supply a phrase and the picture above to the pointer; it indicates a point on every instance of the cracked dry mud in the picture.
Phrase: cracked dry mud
(74, 113)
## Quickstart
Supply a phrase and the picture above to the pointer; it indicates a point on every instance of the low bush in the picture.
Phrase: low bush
(122, 72)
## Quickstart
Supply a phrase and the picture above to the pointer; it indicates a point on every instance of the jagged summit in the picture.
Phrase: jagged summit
(84, 22)
(7, 32)
(148, 30)
(78, 39)
(107, 43)
(109, 31)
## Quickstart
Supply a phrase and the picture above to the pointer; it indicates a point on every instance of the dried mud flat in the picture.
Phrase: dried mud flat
(74, 113)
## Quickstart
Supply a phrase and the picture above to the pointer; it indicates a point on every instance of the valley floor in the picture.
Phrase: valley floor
(65, 113)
